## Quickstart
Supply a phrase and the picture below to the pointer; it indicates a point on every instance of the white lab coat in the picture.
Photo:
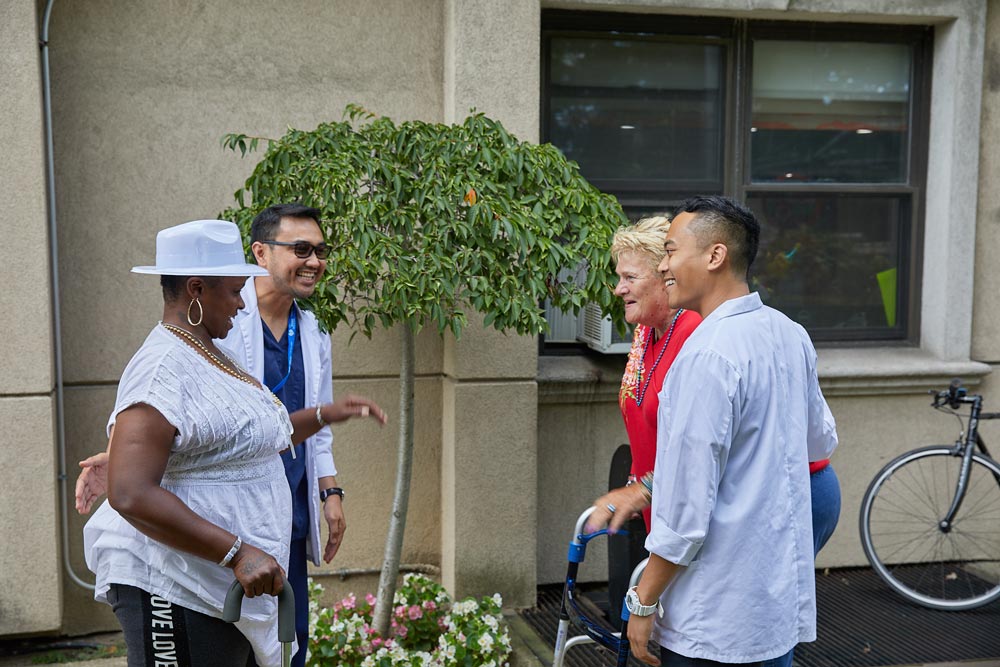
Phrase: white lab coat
(246, 341)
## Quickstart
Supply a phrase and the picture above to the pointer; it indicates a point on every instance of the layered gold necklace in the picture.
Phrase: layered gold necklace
(232, 368)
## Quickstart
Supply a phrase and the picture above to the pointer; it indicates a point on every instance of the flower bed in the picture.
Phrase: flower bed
(428, 629)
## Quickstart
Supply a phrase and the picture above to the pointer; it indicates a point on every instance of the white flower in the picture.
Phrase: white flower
(485, 641)
(497, 599)
(491, 622)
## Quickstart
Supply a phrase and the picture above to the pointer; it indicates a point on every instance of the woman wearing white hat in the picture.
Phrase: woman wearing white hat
(196, 487)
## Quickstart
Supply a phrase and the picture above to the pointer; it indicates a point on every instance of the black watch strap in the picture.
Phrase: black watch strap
(332, 491)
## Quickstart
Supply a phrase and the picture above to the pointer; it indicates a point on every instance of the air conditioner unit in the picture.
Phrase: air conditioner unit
(596, 330)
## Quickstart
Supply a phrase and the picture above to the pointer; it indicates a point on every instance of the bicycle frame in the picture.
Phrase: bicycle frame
(965, 445)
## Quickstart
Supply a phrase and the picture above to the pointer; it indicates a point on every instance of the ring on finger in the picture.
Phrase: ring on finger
(611, 508)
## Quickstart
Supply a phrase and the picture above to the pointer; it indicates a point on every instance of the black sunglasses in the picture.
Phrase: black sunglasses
(303, 249)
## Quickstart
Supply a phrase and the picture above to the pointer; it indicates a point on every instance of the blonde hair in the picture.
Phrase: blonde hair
(645, 237)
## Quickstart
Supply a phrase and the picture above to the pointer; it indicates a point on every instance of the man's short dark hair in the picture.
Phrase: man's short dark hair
(265, 225)
(724, 220)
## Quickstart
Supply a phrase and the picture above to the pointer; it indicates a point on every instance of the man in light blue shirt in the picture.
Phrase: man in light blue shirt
(741, 415)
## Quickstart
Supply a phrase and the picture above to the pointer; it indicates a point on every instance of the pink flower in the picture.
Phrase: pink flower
(400, 610)
(429, 605)
(401, 631)
(415, 612)
(369, 598)
(350, 601)
(376, 642)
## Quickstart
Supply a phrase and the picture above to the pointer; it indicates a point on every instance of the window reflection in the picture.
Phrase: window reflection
(830, 112)
(832, 261)
(630, 109)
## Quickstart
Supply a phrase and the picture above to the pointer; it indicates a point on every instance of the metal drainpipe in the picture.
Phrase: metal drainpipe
(56, 319)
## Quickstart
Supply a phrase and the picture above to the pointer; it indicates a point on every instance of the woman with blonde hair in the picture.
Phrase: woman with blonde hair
(660, 331)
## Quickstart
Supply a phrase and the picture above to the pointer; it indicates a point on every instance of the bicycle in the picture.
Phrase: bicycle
(930, 519)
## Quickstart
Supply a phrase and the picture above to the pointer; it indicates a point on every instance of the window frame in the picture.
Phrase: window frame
(737, 36)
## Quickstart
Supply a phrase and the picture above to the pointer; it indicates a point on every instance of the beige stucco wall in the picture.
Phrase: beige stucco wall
(29, 522)
(142, 94)
(986, 306)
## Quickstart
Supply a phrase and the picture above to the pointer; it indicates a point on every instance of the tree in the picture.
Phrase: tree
(428, 222)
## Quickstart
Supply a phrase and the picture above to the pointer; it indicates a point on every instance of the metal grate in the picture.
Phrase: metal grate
(861, 623)
(544, 619)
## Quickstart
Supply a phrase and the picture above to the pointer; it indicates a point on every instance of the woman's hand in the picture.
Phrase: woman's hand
(626, 501)
(352, 406)
(257, 572)
(92, 482)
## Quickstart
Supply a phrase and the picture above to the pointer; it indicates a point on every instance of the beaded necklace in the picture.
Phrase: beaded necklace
(234, 371)
(641, 388)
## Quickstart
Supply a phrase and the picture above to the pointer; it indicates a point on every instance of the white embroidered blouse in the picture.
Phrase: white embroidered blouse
(223, 464)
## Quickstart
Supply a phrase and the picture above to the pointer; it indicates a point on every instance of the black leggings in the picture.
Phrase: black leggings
(161, 634)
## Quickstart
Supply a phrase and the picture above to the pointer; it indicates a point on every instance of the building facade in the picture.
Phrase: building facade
(879, 207)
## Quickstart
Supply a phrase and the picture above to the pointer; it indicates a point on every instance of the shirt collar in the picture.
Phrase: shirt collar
(737, 306)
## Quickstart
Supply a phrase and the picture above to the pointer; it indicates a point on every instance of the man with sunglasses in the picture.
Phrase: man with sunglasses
(282, 345)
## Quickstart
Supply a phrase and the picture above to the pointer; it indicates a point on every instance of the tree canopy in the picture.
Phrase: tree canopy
(428, 220)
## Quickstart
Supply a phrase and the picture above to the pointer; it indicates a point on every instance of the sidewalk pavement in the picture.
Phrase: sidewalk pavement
(530, 650)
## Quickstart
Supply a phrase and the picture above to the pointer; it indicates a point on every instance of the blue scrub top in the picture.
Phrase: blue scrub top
(293, 395)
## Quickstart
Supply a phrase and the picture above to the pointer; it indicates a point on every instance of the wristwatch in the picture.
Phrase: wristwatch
(637, 608)
(332, 491)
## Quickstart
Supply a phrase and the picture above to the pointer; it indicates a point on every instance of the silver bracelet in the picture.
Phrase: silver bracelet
(319, 417)
(232, 552)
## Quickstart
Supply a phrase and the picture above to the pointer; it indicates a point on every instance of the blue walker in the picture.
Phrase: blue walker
(571, 613)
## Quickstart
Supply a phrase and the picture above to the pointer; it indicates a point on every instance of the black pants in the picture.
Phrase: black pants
(161, 634)
(670, 659)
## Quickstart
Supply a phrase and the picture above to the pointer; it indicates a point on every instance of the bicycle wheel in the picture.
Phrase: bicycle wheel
(900, 514)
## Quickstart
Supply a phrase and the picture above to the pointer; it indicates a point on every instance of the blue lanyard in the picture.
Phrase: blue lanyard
(293, 326)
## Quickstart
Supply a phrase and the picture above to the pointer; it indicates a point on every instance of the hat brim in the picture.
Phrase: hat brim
(234, 270)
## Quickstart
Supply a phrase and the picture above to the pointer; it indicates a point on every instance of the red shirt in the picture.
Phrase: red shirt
(637, 385)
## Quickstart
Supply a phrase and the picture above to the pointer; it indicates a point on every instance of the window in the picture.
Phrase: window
(819, 128)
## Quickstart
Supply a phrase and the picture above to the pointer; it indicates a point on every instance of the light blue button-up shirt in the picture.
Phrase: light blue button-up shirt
(741, 415)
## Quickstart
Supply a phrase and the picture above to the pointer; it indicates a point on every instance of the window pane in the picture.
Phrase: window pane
(629, 109)
(834, 263)
(830, 112)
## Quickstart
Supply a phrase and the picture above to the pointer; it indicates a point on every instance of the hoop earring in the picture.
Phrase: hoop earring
(201, 312)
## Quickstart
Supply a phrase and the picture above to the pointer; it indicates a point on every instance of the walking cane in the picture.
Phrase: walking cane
(286, 616)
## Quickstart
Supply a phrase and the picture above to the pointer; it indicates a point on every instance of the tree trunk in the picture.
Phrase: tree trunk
(401, 500)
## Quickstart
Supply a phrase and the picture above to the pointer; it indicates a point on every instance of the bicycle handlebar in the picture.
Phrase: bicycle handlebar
(953, 396)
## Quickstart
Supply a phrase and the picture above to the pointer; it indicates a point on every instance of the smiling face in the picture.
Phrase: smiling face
(641, 288)
(685, 268)
(295, 276)
(220, 301)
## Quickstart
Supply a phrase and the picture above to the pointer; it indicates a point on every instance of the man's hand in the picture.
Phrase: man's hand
(92, 482)
(333, 510)
(627, 501)
(639, 630)
(352, 406)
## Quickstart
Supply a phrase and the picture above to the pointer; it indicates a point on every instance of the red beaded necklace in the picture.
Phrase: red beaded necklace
(640, 387)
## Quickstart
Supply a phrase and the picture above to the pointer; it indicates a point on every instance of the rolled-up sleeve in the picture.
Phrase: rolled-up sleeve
(822, 429)
(694, 433)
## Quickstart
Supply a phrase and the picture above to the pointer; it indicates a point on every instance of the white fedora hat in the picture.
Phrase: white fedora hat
(201, 248)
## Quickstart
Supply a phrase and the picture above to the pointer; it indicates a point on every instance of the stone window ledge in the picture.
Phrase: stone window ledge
(856, 371)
